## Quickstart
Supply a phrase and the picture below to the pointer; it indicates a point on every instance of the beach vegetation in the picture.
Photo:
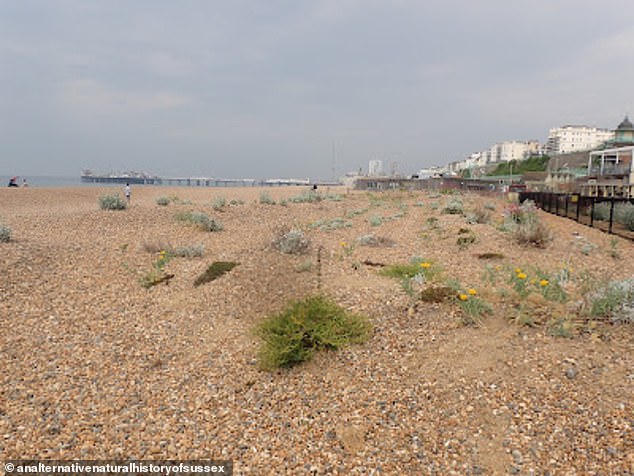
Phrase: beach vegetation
(163, 201)
(316, 323)
(5, 233)
(201, 220)
(112, 202)
(293, 242)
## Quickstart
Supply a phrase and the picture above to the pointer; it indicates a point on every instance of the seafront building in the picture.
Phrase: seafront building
(569, 138)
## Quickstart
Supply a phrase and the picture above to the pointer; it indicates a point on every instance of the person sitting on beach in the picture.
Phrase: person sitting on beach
(13, 182)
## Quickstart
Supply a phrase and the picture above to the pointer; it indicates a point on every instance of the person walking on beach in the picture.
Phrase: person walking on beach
(127, 193)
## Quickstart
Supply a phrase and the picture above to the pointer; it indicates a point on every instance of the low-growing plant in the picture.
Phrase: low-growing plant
(490, 255)
(5, 233)
(613, 301)
(474, 308)
(454, 207)
(292, 242)
(157, 274)
(163, 201)
(201, 220)
(304, 266)
(331, 224)
(375, 241)
(266, 199)
(418, 272)
(466, 237)
(479, 215)
(305, 327)
(214, 271)
(191, 251)
(375, 220)
(530, 230)
(112, 202)
(561, 327)
(490, 206)
(614, 248)
(307, 196)
(218, 203)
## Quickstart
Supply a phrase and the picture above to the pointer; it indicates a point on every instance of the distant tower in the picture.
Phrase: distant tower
(624, 133)
(375, 168)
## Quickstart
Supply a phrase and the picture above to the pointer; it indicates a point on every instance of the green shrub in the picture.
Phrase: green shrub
(163, 201)
(192, 251)
(373, 240)
(214, 271)
(218, 203)
(292, 242)
(614, 301)
(201, 220)
(307, 196)
(266, 199)
(454, 207)
(5, 233)
(307, 326)
(375, 220)
(112, 202)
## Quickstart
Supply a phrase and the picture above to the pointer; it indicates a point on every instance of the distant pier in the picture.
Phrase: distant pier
(191, 181)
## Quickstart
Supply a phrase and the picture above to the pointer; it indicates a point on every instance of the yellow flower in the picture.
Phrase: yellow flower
(463, 297)
(343, 243)
(425, 265)
(543, 283)
(472, 291)
(518, 270)
(521, 275)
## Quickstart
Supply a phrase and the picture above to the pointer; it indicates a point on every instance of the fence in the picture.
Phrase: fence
(610, 214)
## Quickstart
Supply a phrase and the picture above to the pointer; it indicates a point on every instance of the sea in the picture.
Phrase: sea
(51, 181)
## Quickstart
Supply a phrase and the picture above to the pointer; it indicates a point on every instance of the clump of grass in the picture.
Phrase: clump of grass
(112, 202)
(5, 233)
(454, 207)
(375, 241)
(601, 211)
(201, 220)
(292, 242)
(214, 271)
(331, 224)
(305, 327)
(265, 199)
(614, 250)
(236, 202)
(561, 327)
(479, 215)
(163, 201)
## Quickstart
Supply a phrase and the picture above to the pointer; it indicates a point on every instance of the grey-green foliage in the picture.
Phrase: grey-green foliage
(112, 202)
(614, 301)
(163, 201)
(192, 251)
(454, 207)
(624, 214)
(292, 242)
(201, 220)
(331, 224)
(266, 199)
(5, 233)
(218, 203)
(375, 220)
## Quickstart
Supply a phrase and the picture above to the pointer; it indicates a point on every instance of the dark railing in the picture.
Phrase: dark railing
(597, 212)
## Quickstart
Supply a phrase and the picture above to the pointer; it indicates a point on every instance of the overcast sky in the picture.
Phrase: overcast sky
(254, 88)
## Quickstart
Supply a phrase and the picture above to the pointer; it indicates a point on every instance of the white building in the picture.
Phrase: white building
(566, 139)
(375, 168)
